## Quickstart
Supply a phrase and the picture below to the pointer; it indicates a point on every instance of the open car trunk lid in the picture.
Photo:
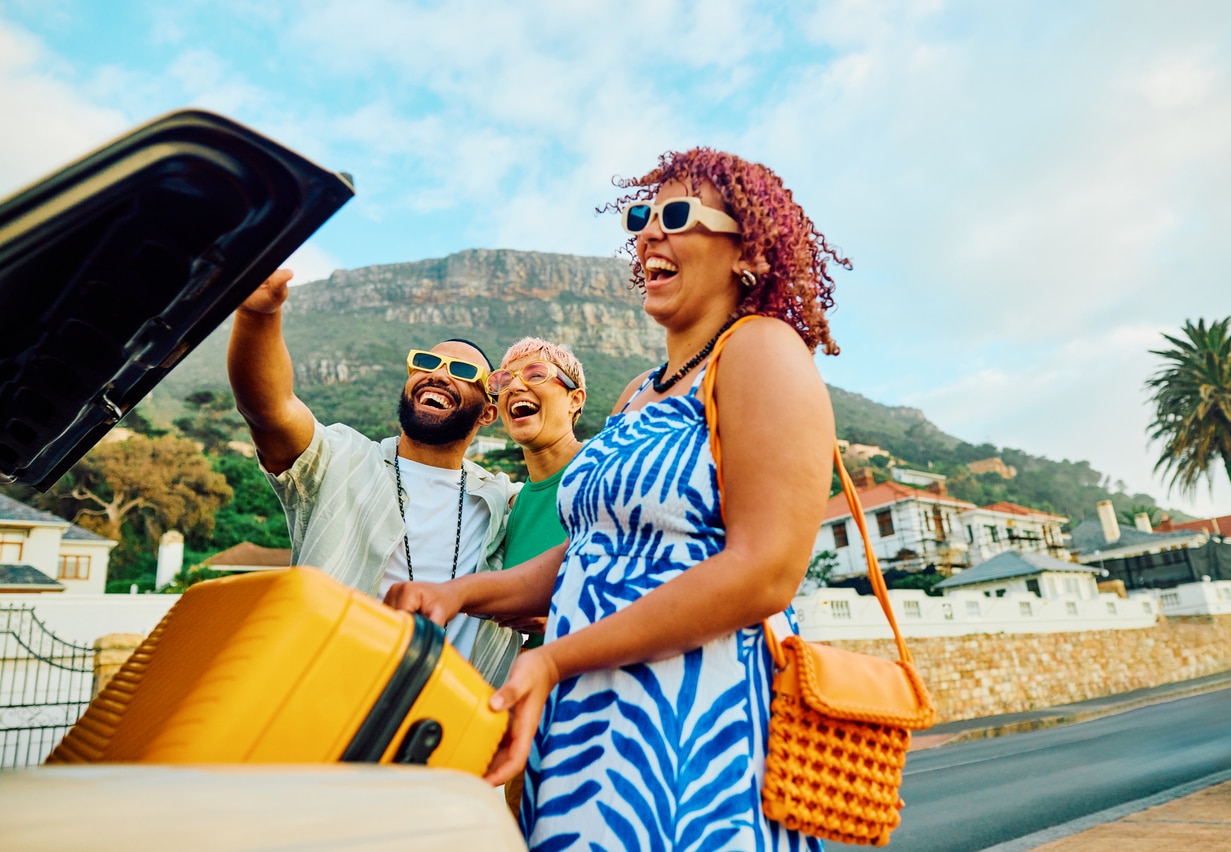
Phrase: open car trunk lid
(116, 267)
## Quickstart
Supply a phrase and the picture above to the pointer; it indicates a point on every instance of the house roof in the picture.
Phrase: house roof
(15, 510)
(1013, 563)
(1016, 509)
(249, 555)
(76, 533)
(1216, 526)
(885, 494)
(1088, 537)
(27, 578)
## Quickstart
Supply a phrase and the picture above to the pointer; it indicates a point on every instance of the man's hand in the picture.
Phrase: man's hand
(531, 680)
(435, 600)
(268, 298)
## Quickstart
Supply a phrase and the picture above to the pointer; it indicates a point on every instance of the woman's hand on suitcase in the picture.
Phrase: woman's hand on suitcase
(532, 678)
(435, 600)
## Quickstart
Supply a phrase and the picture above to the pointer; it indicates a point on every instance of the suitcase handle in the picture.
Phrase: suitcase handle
(420, 741)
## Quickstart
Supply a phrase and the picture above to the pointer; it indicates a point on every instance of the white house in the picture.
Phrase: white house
(1001, 527)
(58, 555)
(1014, 572)
(909, 528)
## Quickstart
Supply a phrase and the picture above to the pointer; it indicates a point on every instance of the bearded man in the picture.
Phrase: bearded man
(372, 513)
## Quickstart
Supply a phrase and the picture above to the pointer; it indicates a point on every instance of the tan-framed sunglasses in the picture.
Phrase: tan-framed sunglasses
(534, 373)
(458, 368)
(675, 215)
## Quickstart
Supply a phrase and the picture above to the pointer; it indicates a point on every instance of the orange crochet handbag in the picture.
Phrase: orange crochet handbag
(840, 721)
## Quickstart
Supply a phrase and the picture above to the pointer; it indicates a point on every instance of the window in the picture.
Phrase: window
(1024, 608)
(972, 609)
(947, 611)
(1071, 587)
(74, 567)
(1111, 608)
(970, 533)
(1032, 585)
(839, 534)
(1145, 607)
(1170, 599)
(1000, 593)
(884, 522)
(910, 609)
(841, 609)
(992, 532)
(11, 545)
(1070, 607)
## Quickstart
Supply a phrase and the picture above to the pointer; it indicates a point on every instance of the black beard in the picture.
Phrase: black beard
(454, 427)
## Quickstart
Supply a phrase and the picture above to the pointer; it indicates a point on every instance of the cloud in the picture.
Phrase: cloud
(311, 263)
(67, 126)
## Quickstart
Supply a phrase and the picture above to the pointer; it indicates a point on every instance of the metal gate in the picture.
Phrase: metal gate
(45, 686)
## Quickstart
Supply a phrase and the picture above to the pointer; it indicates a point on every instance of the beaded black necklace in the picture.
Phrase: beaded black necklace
(662, 386)
(457, 541)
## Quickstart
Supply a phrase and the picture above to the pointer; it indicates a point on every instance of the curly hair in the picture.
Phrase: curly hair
(780, 245)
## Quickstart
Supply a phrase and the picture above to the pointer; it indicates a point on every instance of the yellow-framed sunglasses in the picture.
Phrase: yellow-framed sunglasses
(458, 368)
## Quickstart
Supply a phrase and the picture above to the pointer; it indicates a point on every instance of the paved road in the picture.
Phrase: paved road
(969, 796)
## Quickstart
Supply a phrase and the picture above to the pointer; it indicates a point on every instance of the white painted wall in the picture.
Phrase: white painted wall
(81, 619)
(1213, 598)
(1052, 585)
(42, 550)
(100, 555)
(829, 614)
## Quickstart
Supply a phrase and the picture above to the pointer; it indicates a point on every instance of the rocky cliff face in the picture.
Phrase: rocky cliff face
(584, 302)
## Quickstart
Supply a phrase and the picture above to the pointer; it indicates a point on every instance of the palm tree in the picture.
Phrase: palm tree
(1192, 398)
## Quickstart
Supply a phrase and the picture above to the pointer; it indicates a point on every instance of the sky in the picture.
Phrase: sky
(1032, 192)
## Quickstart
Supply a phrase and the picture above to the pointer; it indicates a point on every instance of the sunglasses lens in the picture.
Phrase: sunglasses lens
(426, 361)
(637, 217)
(499, 381)
(675, 215)
(536, 372)
(464, 371)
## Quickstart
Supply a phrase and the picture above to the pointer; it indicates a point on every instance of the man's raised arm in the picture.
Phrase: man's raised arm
(259, 365)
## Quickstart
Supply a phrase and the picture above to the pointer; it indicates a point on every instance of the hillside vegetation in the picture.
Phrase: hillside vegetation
(348, 336)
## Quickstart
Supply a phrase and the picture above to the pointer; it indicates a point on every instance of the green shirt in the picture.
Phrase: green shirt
(534, 526)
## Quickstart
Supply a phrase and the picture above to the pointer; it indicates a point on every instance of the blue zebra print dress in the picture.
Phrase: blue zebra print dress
(655, 756)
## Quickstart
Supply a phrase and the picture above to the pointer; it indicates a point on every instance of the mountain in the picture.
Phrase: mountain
(348, 336)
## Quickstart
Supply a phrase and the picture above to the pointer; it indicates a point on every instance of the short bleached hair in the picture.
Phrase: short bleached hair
(557, 353)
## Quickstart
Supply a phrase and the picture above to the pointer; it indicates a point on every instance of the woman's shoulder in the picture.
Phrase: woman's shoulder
(769, 337)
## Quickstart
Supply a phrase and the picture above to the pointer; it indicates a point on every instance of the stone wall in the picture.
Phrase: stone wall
(990, 674)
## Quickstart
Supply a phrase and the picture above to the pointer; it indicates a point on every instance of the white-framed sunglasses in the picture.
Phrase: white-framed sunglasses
(675, 215)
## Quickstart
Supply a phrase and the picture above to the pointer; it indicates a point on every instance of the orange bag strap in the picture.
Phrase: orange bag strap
(848, 488)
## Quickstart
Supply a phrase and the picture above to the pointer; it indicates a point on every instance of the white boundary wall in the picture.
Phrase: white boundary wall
(843, 614)
(81, 619)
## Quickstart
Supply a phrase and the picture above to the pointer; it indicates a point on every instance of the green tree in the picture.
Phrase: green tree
(1128, 516)
(156, 484)
(1192, 399)
(820, 570)
(213, 421)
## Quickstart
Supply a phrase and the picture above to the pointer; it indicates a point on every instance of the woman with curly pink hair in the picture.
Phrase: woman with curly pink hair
(644, 715)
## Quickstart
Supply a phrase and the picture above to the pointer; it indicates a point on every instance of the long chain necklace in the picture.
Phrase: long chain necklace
(662, 386)
(457, 541)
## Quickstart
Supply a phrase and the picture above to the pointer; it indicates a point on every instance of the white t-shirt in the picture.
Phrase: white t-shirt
(431, 496)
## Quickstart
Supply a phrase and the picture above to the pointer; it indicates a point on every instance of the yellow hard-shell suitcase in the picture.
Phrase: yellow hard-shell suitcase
(289, 666)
